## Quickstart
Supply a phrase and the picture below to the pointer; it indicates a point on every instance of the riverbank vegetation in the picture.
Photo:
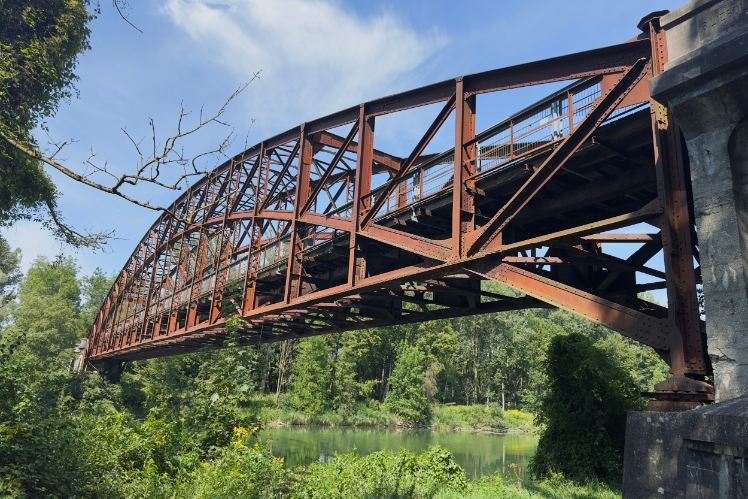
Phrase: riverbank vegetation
(476, 417)
(184, 426)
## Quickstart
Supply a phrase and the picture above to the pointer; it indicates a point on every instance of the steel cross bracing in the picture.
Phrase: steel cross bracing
(316, 231)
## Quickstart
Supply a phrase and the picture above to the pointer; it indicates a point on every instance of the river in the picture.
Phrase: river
(479, 454)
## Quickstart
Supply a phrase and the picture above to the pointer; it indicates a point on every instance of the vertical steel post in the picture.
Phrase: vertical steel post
(151, 285)
(463, 202)
(361, 195)
(250, 275)
(687, 351)
(218, 282)
(689, 362)
(294, 268)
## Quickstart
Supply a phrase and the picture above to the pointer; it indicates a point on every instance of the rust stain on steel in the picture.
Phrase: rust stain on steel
(629, 322)
(295, 236)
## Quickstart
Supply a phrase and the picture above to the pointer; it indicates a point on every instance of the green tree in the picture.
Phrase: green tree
(223, 387)
(406, 398)
(40, 41)
(583, 411)
(10, 275)
(165, 385)
(47, 316)
(640, 361)
(347, 386)
(39, 430)
(375, 351)
(440, 344)
(94, 289)
(312, 375)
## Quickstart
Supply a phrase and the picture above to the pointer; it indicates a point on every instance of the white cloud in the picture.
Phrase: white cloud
(315, 57)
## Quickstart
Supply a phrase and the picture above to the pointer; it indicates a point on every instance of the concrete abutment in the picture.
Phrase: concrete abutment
(702, 453)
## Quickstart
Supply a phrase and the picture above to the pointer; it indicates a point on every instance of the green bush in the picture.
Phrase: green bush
(467, 416)
(584, 412)
(494, 487)
(382, 475)
(241, 469)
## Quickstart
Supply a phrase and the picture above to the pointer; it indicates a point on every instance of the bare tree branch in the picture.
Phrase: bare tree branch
(149, 167)
(124, 4)
(98, 240)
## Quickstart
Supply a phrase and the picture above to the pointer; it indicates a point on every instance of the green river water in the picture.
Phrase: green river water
(479, 454)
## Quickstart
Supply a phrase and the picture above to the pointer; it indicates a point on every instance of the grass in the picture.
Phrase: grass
(556, 488)
(372, 414)
(480, 417)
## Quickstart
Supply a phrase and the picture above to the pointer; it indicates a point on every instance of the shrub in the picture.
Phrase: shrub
(383, 474)
(584, 412)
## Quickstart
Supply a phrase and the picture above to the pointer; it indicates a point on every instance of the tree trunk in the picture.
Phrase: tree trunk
(382, 386)
(284, 362)
(265, 366)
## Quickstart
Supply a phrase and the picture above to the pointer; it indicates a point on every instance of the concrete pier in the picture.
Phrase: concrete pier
(705, 84)
(702, 453)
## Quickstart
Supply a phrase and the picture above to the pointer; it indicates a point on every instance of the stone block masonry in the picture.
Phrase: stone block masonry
(700, 453)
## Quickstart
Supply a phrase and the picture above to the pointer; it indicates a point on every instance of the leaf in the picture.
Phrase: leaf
(244, 388)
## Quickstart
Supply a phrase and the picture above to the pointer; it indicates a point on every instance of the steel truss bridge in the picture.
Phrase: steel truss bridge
(317, 231)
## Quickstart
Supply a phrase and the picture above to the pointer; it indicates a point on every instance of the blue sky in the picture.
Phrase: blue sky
(315, 57)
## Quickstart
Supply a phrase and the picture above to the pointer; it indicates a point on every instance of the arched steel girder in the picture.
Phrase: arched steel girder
(321, 232)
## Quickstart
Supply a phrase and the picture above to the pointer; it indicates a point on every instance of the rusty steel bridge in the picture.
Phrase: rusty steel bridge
(317, 231)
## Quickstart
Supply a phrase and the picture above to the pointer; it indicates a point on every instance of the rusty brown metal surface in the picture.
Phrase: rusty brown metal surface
(316, 230)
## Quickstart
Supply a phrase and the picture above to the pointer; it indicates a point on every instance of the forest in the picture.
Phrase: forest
(185, 426)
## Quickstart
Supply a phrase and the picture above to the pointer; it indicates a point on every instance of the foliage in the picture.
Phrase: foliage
(10, 275)
(94, 289)
(183, 426)
(223, 386)
(405, 397)
(584, 412)
(239, 469)
(494, 487)
(46, 319)
(481, 417)
(383, 474)
(311, 375)
(40, 41)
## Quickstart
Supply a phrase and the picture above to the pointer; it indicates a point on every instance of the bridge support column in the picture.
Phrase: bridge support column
(699, 453)
(705, 85)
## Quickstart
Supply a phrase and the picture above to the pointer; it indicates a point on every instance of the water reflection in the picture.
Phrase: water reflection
(478, 453)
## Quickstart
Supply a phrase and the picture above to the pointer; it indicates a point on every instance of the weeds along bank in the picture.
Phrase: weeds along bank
(184, 426)
(112, 455)
(476, 417)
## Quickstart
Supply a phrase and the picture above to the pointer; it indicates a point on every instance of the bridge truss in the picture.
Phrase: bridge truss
(317, 231)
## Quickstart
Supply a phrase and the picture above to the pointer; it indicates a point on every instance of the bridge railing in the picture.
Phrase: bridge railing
(527, 132)
(273, 252)
(270, 254)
